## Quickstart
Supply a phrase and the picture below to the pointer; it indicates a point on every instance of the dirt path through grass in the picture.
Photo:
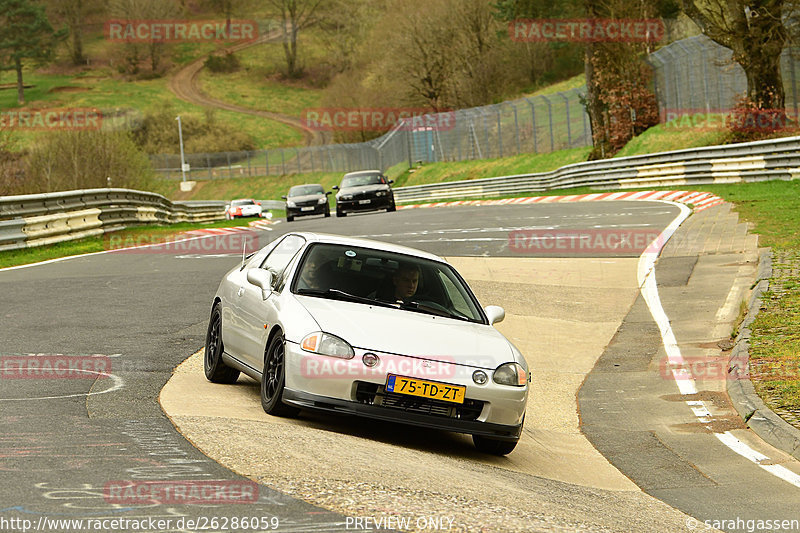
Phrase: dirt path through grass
(184, 84)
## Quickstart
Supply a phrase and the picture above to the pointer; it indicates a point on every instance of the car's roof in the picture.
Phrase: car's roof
(306, 185)
(368, 243)
(362, 173)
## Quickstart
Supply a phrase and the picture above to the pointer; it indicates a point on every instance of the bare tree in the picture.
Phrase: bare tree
(294, 15)
(754, 31)
(345, 25)
(74, 13)
(154, 50)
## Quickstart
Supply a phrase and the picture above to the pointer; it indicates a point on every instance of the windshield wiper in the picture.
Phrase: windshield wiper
(422, 307)
(342, 295)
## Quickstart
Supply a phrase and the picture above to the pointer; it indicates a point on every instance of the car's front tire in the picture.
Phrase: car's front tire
(327, 211)
(340, 213)
(273, 379)
(215, 369)
(494, 446)
(289, 218)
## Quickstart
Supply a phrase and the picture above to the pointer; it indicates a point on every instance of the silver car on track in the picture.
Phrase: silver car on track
(371, 329)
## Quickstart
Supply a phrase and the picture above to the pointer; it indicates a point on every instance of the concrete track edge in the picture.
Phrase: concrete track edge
(760, 418)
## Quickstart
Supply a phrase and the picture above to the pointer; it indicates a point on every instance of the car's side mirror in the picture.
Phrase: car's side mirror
(329, 192)
(335, 187)
(495, 313)
(283, 197)
(390, 182)
(262, 279)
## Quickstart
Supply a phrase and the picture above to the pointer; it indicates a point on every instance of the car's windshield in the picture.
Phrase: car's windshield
(239, 203)
(357, 181)
(306, 190)
(376, 277)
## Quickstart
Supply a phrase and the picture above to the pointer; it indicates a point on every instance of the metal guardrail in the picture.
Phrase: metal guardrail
(38, 219)
(736, 163)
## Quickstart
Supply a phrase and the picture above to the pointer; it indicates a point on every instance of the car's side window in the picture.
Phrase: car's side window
(457, 299)
(282, 255)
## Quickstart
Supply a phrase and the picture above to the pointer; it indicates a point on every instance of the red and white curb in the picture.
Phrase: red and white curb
(256, 224)
(698, 200)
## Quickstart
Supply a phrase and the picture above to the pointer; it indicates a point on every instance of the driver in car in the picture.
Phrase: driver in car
(406, 281)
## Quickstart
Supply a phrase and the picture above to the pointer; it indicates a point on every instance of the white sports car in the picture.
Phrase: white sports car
(370, 329)
(243, 208)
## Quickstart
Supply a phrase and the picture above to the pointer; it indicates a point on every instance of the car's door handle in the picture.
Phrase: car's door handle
(240, 292)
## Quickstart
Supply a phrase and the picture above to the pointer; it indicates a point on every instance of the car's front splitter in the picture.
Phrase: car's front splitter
(321, 403)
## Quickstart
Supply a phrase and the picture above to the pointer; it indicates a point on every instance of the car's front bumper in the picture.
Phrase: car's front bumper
(332, 384)
(472, 427)
(299, 211)
(358, 204)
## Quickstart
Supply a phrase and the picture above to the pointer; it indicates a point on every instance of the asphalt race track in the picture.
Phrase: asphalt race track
(69, 441)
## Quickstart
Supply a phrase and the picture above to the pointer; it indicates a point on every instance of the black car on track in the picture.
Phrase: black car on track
(309, 199)
(367, 190)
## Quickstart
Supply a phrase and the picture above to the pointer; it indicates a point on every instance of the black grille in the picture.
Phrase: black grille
(372, 394)
(363, 195)
(307, 203)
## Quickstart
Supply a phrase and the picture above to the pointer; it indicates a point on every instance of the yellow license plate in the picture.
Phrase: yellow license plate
(426, 389)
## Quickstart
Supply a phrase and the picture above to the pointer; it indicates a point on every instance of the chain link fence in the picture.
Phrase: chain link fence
(539, 124)
(693, 75)
(698, 75)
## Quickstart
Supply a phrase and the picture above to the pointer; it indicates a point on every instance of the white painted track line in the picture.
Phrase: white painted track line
(685, 382)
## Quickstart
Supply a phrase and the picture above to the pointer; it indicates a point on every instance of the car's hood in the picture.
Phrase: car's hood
(364, 188)
(396, 331)
(304, 198)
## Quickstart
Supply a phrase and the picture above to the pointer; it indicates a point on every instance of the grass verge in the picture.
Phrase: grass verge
(143, 235)
(775, 340)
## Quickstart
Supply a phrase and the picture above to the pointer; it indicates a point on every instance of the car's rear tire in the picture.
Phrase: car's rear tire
(273, 378)
(215, 369)
(494, 446)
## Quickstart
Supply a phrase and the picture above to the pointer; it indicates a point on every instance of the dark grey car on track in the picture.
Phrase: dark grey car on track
(309, 199)
(367, 190)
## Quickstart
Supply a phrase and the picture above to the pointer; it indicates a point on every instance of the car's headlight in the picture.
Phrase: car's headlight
(511, 374)
(380, 193)
(322, 200)
(327, 344)
(346, 197)
(290, 203)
